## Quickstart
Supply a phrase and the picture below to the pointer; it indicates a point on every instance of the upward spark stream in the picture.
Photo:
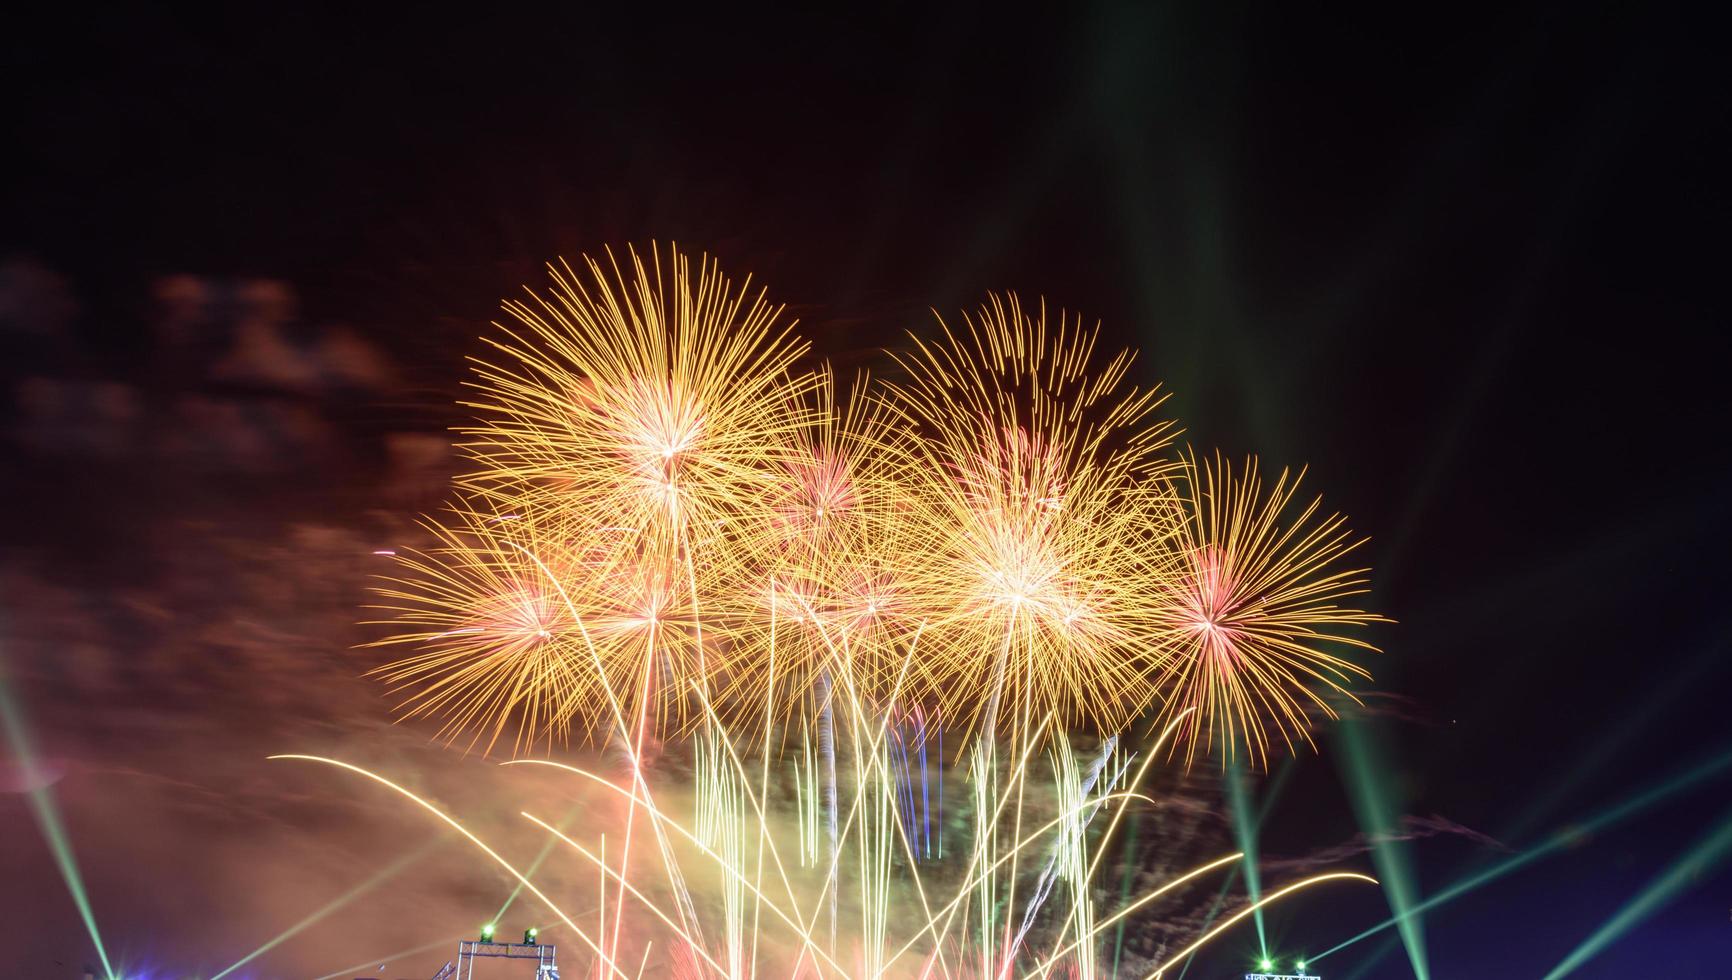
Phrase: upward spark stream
(677, 541)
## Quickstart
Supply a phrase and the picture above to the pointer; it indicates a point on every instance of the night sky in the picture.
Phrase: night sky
(1467, 267)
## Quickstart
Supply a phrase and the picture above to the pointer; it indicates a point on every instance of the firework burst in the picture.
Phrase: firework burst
(522, 629)
(1041, 520)
(640, 418)
(825, 585)
(498, 649)
(653, 401)
(1252, 609)
(671, 528)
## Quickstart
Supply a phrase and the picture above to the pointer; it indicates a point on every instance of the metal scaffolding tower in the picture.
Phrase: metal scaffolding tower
(468, 951)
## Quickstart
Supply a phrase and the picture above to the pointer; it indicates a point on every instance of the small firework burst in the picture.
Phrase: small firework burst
(498, 649)
(1252, 609)
(520, 628)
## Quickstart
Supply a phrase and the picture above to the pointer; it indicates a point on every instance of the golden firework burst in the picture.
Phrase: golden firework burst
(521, 628)
(639, 419)
(652, 400)
(824, 585)
(1040, 520)
(498, 649)
(1253, 609)
(670, 528)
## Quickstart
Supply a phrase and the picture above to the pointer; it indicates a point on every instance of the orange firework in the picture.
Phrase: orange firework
(1039, 552)
(1253, 609)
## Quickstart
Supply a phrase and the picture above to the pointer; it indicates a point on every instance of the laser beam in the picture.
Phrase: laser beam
(1704, 855)
(47, 814)
(1564, 837)
(372, 881)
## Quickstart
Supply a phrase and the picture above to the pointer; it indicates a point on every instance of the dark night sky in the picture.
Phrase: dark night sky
(1468, 267)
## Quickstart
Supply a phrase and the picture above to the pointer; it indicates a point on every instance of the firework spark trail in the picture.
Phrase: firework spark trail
(696, 839)
(626, 887)
(883, 772)
(535, 865)
(1272, 793)
(612, 702)
(454, 825)
(1252, 909)
(880, 775)
(1047, 875)
(831, 595)
(1136, 780)
(1131, 907)
(934, 923)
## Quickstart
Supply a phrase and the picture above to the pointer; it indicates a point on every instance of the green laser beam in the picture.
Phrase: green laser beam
(1707, 852)
(47, 815)
(1209, 920)
(1370, 963)
(377, 878)
(1562, 838)
(1615, 738)
(1271, 794)
(535, 865)
(1245, 828)
(1377, 817)
(1126, 877)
